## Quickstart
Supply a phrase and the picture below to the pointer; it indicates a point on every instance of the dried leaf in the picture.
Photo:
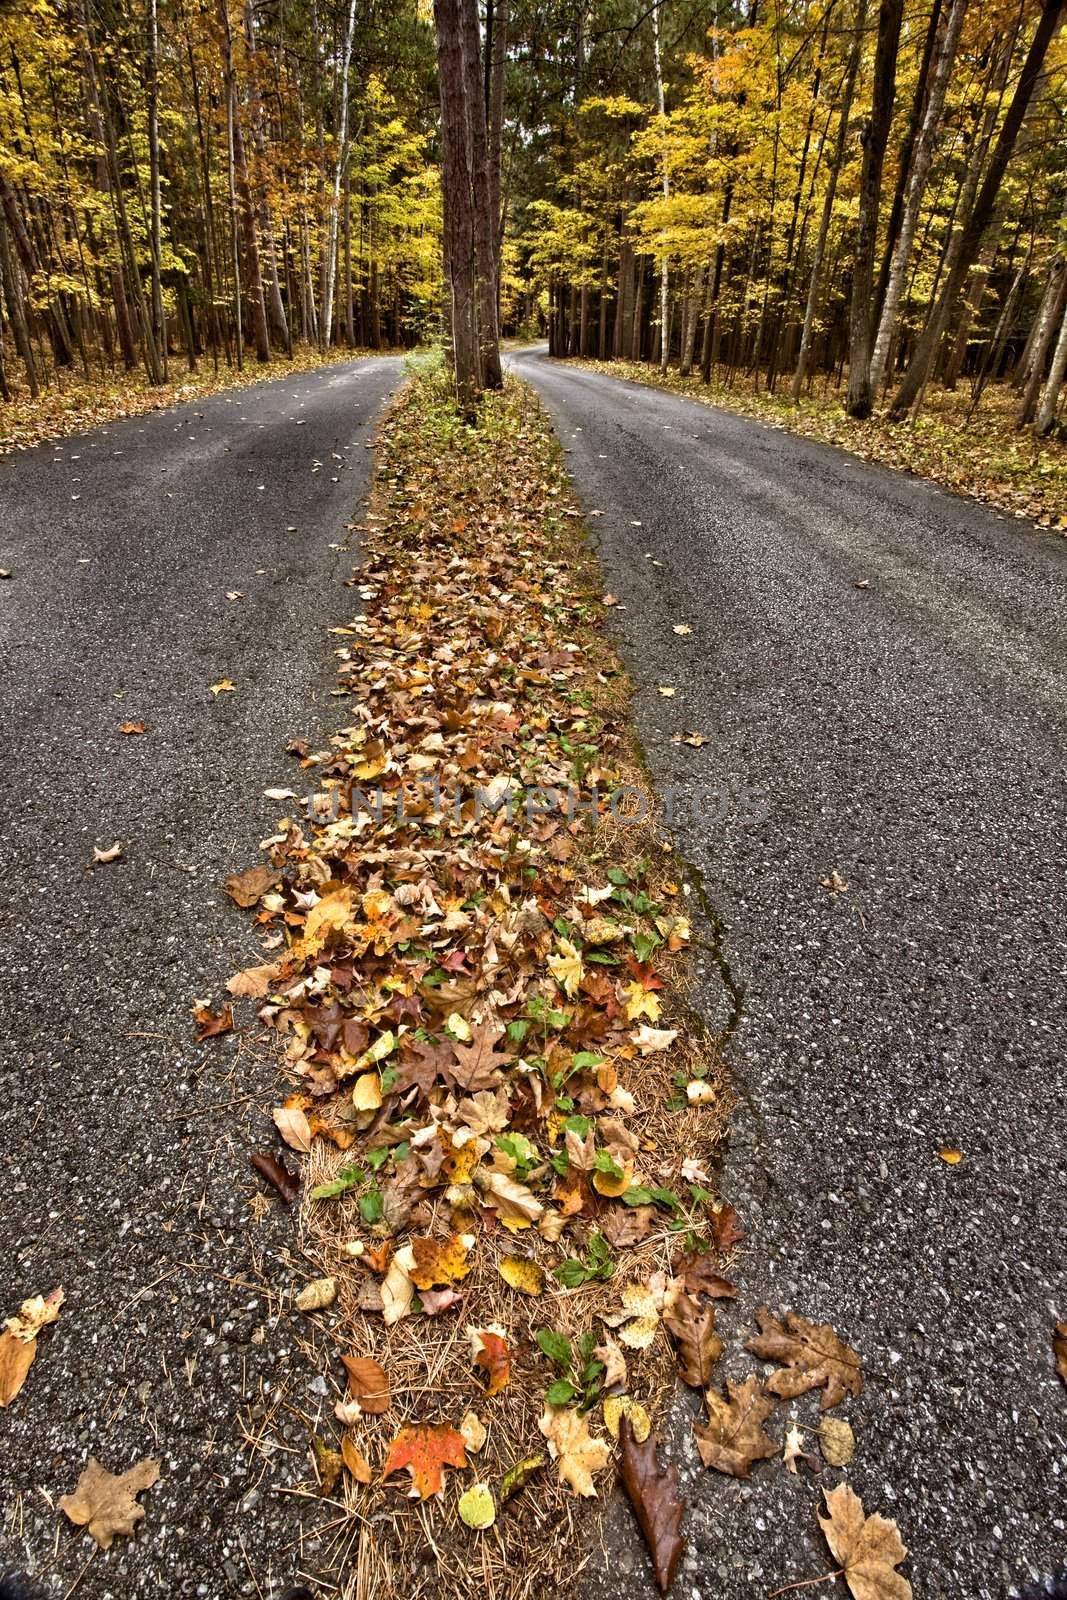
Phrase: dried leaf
(102, 857)
(516, 1205)
(518, 1476)
(617, 1406)
(612, 1355)
(813, 1357)
(698, 1274)
(473, 1430)
(245, 888)
(692, 1326)
(16, 1359)
(426, 1450)
(279, 1176)
(398, 1291)
(836, 1441)
(106, 1503)
(477, 1065)
(489, 1347)
(576, 1453)
(441, 1261)
(211, 1024)
(1059, 1349)
(292, 1123)
(868, 1548)
(254, 982)
(658, 1505)
(525, 1276)
(317, 1295)
(368, 1383)
(355, 1460)
(733, 1437)
(328, 1465)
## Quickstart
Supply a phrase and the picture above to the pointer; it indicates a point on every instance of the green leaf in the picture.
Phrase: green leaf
(371, 1208)
(517, 1031)
(572, 1273)
(388, 1076)
(617, 876)
(605, 1162)
(585, 1060)
(561, 1393)
(376, 1159)
(346, 1179)
(556, 1346)
(579, 1125)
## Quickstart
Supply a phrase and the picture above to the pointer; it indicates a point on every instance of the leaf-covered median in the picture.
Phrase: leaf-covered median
(503, 1116)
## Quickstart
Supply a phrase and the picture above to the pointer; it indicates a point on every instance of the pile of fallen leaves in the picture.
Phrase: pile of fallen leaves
(982, 455)
(507, 1111)
(73, 402)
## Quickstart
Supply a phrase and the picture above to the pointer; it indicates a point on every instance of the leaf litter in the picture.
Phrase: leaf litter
(482, 1009)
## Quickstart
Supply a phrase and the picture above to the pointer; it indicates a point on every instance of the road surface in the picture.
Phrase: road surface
(880, 670)
(125, 1170)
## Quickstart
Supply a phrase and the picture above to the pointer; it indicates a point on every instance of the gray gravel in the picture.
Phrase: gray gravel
(908, 735)
(125, 1146)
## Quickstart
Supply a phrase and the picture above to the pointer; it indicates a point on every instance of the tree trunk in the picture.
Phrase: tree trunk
(861, 321)
(944, 55)
(486, 242)
(458, 203)
(326, 319)
(1046, 411)
(982, 210)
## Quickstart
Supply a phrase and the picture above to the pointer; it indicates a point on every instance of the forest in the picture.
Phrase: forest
(867, 198)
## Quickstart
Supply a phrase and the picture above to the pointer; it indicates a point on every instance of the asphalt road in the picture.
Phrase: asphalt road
(909, 736)
(125, 1146)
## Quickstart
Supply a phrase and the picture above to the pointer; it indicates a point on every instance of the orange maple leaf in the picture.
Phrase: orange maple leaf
(425, 1450)
(491, 1353)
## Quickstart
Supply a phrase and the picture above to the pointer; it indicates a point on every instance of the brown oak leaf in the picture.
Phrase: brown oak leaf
(692, 1326)
(733, 1437)
(653, 1492)
(868, 1548)
(477, 1065)
(106, 1503)
(812, 1357)
(698, 1274)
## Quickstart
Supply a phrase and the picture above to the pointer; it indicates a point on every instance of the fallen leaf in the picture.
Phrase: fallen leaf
(658, 1505)
(368, 1383)
(317, 1295)
(617, 1406)
(477, 1064)
(813, 1357)
(667, 692)
(576, 1453)
(793, 1451)
(292, 1123)
(16, 1359)
(692, 1326)
(253, 983)
(681, 628)
(212, 1024)
(698, 1275)
(489, 1347)
(128, 728)
(518, 1476)
(279, 794)
(106, 1503)
(441, 1261)
(1059, 1348)
(37, 1312)
(835, 883)
(696, 740)
(524, 1276)
(836, 1441)
(516, 1205)
(328, 1465)
(425, 1450)
(476, 1507)
(277, 1175)
(649, 1040)
(245, 888)
(868, 1548)
(102, 857)
(951, 1156)
(613, 1356)
(733, 1437)
(355, 1460)
(398, 1291)
(224, 686)
(474, 1431)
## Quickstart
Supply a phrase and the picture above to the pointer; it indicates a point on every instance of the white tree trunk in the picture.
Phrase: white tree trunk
(664, 269)
(338, 173)
(1046, 410)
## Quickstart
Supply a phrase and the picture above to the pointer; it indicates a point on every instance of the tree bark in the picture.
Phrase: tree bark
(458, 202)
(861, 321)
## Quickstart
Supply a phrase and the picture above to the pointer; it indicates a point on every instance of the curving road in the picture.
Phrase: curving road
(125, 1147)
(880, 670)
